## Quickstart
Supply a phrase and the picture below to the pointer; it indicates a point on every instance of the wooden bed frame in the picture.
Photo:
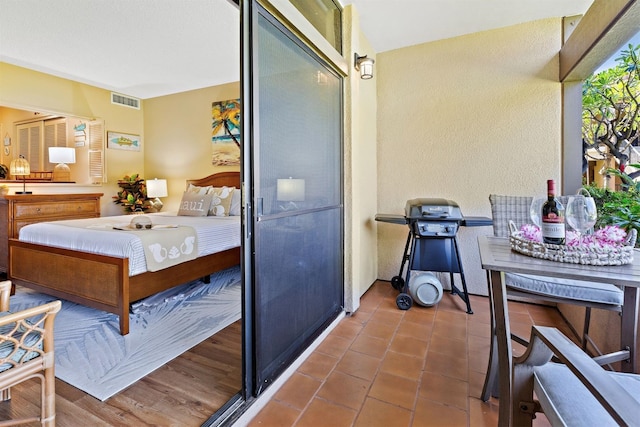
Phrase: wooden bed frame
(102, 281)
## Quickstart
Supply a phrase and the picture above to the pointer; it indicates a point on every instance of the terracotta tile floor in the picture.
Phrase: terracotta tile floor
(387, 367)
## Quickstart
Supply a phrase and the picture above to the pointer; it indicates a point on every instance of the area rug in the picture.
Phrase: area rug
(91, 354)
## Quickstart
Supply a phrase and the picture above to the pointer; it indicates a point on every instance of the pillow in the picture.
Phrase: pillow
(234, 210)
(221, 202)
(194, 189)
(193, 204)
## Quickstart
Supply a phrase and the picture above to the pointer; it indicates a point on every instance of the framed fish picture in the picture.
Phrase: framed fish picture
(123, 141)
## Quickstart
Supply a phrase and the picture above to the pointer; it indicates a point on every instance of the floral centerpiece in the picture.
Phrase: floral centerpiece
(133, 195)
(609, 245)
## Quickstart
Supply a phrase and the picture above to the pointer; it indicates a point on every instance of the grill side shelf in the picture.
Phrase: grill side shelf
(392, 219)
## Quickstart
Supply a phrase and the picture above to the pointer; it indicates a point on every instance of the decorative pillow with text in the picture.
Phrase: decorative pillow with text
(193, 204)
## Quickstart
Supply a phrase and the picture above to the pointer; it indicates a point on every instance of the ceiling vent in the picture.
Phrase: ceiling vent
(124, 100)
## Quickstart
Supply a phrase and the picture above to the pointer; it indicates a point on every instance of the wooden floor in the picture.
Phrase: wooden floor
(184, 392)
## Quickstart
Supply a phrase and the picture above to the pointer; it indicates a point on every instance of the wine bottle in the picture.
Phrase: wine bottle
(552, 221)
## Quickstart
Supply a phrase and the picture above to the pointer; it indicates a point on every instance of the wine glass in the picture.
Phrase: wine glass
(581, 214)
(535, 211)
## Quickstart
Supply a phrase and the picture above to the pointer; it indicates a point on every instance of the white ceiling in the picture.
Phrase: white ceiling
(149, 48)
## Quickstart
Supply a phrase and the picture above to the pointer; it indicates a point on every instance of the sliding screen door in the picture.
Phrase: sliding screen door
(296, 208)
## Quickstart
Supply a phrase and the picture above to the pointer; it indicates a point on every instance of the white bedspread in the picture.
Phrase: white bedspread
(215, 234)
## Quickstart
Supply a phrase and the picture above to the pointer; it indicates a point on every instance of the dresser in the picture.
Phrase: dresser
(18, 210)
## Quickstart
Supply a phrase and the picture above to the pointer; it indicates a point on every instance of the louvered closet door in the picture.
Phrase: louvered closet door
(293, 159)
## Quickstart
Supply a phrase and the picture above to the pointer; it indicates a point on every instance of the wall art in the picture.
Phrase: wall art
(123, 141)
(225, 132)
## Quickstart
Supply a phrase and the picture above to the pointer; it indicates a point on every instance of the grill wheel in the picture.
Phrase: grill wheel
(404, 301)
(397, 283)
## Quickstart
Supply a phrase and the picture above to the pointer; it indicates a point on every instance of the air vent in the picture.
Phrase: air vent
(124, 100)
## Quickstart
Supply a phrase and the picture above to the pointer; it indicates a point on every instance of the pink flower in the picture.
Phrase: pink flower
(531, 232)
(610, 236)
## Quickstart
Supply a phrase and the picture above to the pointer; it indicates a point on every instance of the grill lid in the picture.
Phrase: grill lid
(432, 210)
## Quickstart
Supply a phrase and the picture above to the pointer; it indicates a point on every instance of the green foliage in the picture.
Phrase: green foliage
(621, 208)
(133, 195)
(611, 107)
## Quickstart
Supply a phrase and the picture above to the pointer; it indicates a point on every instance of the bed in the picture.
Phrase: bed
(104, 282)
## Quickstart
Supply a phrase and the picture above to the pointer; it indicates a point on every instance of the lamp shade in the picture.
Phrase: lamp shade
(157, 188)
(62, 155)
(290, 190)
(19, 167)
(366, 69)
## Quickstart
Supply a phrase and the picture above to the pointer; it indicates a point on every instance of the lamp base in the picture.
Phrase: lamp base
(156, 204)
(62, 172)
(24, 192)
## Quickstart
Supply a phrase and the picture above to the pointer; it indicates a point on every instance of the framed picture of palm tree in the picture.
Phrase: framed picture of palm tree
(225, 132)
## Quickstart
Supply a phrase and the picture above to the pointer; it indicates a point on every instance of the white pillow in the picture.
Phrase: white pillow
(194, 189)
(236, 198)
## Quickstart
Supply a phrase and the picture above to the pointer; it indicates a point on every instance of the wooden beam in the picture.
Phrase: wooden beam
(607, 26)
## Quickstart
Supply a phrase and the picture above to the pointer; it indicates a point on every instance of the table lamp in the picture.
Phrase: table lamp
(157, 188)
(62, 156)
(290, 190)
(20, 167)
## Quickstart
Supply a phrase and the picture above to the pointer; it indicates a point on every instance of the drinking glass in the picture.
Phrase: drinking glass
(535, 211)
(581, 214)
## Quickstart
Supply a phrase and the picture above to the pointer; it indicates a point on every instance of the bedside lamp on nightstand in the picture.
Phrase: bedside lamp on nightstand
(20, 167)
(62, 156)
(157, 188)
(290, 190)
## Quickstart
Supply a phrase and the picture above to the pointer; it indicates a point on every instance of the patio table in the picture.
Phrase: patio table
(496, 256)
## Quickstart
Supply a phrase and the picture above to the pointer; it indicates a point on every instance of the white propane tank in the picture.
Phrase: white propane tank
(425, 288)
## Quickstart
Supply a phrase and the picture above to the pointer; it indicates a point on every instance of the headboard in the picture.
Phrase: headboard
(228, 179)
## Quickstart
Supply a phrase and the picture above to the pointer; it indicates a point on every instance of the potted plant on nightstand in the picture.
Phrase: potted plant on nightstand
(133, 196)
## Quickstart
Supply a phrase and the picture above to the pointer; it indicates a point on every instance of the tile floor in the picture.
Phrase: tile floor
(387, 367)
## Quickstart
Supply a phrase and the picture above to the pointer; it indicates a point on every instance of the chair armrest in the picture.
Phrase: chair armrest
(613, 397)
(27, 334)
(5, 292)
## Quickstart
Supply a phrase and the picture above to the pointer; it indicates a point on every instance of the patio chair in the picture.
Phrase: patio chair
(575, 392)
(26, 351)
(587, 294)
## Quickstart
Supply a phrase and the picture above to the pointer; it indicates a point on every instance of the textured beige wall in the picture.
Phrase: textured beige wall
(463, 118)
(360, 198)
(178, 130)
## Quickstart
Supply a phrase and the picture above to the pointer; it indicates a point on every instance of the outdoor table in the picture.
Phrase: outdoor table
(496, 256)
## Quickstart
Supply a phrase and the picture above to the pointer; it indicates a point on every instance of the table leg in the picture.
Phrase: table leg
(502, 336)
(629, 333)
(490, 387)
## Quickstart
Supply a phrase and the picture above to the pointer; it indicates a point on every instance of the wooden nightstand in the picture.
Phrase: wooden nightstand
(18, 210)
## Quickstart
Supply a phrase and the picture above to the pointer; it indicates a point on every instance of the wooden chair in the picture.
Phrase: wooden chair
(577, 392)
(26, 351)
(586, 294)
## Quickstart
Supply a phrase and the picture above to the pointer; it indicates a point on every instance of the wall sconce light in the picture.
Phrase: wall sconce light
(364, 65)
(20, 167)
(62, 156)
(157, 188)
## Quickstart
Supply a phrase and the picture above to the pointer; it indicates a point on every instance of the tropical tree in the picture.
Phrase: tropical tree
(611, 110)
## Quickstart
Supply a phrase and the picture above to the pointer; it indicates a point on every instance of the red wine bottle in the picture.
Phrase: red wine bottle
(552, 217)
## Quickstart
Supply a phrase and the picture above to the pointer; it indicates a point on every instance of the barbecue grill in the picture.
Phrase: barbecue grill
(431, 244)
